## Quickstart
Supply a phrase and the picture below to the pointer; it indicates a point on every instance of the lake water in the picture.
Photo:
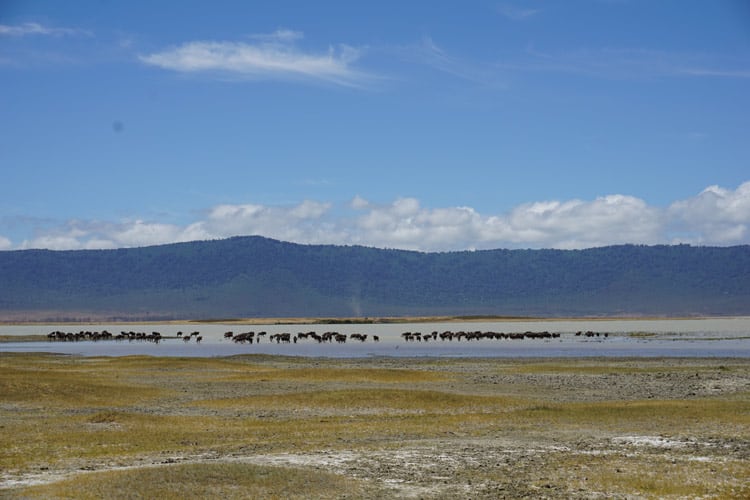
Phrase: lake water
(710, 337)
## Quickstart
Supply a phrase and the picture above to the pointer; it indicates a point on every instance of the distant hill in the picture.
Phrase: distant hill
(259, 277)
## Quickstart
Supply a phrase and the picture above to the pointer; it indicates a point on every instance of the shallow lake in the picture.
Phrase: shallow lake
(710, 337)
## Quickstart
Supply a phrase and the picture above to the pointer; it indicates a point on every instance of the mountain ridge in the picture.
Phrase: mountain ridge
(253, 276)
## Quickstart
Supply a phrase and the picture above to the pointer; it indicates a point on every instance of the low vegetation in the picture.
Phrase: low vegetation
(280, 427)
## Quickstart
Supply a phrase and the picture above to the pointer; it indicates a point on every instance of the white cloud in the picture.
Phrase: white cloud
(359, 203)
(96, 235)
(310, 210)
(140, 233)
(27, 29)
(716, 216)
(405, 224)
(572, 224)
(305, 222)
(607, 220)
(56, 242)
(272, 56)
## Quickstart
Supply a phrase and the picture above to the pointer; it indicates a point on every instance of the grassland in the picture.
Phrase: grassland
(282, 427)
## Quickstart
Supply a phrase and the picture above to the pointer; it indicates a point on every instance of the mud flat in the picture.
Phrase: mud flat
(255, 426)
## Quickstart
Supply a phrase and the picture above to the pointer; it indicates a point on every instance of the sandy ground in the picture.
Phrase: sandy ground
(534, 463)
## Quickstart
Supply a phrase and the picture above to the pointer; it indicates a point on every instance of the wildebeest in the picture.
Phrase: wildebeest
(281, 337)
(244, 337)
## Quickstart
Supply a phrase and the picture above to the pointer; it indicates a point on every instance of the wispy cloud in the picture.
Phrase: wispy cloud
(515, 12)
(710, 72)
(716, 216)
(270, 56)
(428, 53)
(625, 63)
(599, 63)
(29, 29)
(279, 36)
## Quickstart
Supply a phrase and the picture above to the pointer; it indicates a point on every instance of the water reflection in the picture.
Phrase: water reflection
(714, 337)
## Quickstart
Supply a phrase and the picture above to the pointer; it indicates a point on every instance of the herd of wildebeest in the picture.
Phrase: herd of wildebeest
(251, 337)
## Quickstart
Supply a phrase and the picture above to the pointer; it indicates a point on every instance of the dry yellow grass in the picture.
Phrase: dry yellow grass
(483, 428)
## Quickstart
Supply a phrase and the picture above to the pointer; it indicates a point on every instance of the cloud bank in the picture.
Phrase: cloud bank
(269, 56)
(29, 29)
(716, 216)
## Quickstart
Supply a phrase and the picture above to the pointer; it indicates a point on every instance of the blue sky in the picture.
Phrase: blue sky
(418, 125)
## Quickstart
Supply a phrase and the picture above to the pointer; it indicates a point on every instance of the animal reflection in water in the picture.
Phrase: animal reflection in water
(476, 335)
(288, 338)
(252, 337)
(480, 335)
(57, 335)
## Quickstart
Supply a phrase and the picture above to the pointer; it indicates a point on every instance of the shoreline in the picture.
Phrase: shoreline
(354, 320)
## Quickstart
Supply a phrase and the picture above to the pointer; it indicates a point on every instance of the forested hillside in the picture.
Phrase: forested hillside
(255, 276)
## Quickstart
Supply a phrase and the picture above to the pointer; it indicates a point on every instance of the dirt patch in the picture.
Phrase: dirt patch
(473, 468)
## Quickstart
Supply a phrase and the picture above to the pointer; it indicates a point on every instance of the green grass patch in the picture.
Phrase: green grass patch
(205, 480)
(56, 385)
(724, 416)
(348, 375)
(656, 476)
(374, 400)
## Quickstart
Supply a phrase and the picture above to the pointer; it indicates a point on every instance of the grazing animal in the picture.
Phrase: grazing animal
(242, 337)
